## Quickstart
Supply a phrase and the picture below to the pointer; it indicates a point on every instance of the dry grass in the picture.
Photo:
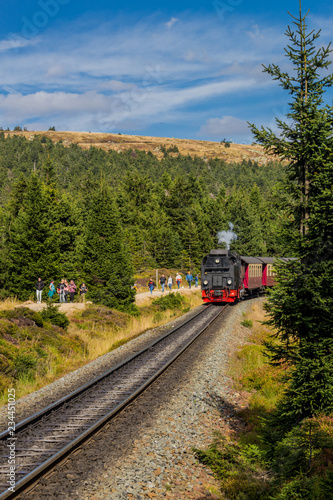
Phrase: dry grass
(101, 339)
(250, 368)
(98, 337)
(119, 143)
(9, 304)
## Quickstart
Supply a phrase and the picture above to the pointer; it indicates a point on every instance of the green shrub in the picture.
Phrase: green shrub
(248, 323)
(8, 349)
(131, 309)
(5, 383)
(240, 470)
(25, 364)
(8, 328)
(170, 301)
(298, 489)
(6, 365)
(158, 316)
(5, 294)
(52, 315)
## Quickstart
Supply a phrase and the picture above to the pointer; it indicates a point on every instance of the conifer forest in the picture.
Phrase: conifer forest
(99, 216)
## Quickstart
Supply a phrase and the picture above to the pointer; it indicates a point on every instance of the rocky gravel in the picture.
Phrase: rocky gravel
(147, 452)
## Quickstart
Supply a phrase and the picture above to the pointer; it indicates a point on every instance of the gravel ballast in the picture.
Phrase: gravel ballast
(147, 451)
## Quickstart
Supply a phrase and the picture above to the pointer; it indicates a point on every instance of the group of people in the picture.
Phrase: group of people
(64, 290)
(169, 282)
(189, 279)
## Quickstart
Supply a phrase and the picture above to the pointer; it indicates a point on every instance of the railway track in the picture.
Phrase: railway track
(46, 438)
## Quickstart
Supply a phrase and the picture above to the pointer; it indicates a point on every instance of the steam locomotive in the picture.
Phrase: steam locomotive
(228, 277)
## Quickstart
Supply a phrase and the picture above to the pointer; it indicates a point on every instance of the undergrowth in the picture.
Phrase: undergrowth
(29, 344)
(262, 462)
(37, 348)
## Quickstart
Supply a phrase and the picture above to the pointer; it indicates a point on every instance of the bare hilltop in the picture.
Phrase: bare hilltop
(122, 142)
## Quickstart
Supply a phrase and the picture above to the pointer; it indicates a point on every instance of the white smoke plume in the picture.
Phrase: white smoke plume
(227, 236)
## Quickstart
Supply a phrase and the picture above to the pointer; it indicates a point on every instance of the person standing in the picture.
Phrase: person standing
(61, 288)
(170, 282)
(66, 290)
(71, 289)
(189, 279)
(39, 289)
(83, 290)
(51, 291)
(178, 280)
(151, 286)
(196, 279)
(162, 282)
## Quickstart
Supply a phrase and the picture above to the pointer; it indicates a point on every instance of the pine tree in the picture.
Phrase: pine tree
(106, 262)
(32, 249)
(301, 306)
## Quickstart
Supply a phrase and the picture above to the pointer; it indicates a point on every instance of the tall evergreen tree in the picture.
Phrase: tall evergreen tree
(106, 262)
(301, 306)
(32, 249)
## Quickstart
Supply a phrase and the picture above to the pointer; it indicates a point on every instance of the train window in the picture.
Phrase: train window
(270, 271)
(255, 270)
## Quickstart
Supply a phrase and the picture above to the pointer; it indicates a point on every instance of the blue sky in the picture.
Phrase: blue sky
(185, 69)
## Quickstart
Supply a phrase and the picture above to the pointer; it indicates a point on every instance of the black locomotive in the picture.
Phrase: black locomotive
(227, 277)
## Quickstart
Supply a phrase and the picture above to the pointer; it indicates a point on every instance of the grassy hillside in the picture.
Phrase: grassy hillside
(120, 143)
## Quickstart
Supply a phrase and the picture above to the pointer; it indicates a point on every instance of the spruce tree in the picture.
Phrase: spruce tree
(301, 305)
(32, 249)
(106, 262)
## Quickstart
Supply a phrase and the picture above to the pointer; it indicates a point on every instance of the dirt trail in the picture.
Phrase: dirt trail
(65, 308)
(158, 293)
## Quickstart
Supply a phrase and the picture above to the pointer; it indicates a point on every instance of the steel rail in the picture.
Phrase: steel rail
(69, 397)
(44, 467)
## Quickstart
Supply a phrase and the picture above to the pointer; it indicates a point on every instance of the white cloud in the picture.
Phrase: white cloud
(254, 32)
(117, 85)
(55, 71)
(172, 21)
(126, 54)
(142, 102)
(225, 126)
(16, 42)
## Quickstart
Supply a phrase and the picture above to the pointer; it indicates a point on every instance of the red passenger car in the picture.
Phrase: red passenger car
(268, 275)
(252, 273)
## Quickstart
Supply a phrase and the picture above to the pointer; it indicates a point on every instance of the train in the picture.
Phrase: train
(227, 277)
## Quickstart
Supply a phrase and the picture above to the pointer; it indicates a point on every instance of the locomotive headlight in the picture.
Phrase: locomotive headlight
(229, 281)
(205, 282)
(217, 261)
